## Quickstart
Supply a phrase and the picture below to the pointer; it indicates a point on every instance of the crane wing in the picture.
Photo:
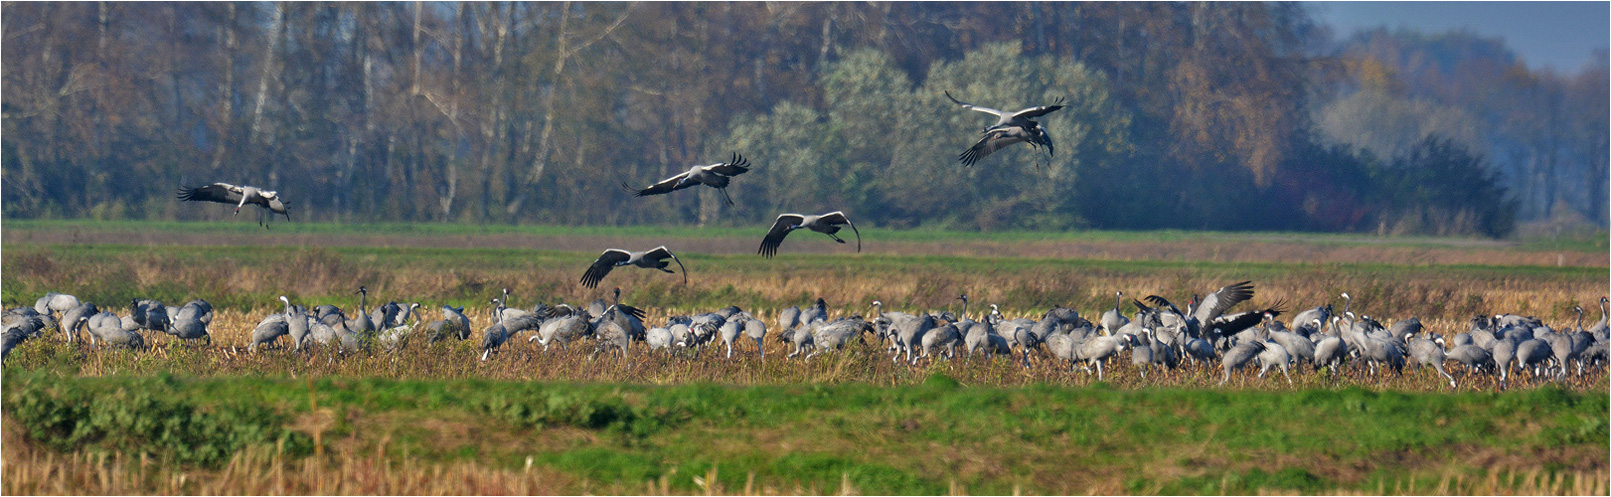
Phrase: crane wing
(224, 193)
(603, 265)
(1038, 110)
(1226, 297)
(838, 217)
(277, 206)
(739, 165)
(518, 320)
(667, 185)
(662, 253)
(969, 106)
(993, 140)
(631, 311)
(780, 229)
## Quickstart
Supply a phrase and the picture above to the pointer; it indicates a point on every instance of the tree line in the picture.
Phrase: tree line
(1179, 115)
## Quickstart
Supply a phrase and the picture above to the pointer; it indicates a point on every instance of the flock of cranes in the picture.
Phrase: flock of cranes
(1158, 336)
(1010, 128)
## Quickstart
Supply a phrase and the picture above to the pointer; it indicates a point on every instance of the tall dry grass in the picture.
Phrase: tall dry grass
(34, 471)
(1443, 297)
(29, 470)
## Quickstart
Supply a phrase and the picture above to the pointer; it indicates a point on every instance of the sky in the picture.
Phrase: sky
(1556, 35)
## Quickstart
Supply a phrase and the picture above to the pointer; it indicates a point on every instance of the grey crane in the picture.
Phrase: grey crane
(681, 336)
(1239, 355)
(71, 319)
(629, 318)
(979, 335)
(944, 337)
(1599, 328)
(192, 320)
(803, 338)
(516, 321)
(756, 330)
(788, 319)
(1300, 348)
(396, 337)
(10, 338)
(1099, 348)
(565, 325)
(226, 193)
(837, 334)
(108, 327)
(827, 224)
(1405, 327)
(148, 314)
(611, 332)
(1503, 351)
(26, 313)
(658, 337)
(1309, 321)
(362, 323)
(1061, 345)
(1204, 315)
(655, 258)
(296, 322)
(1532, 354)
(22, 326)
(1010, 128)
(1377, 351)
(453, 324)
(1113, 319)
(817, 312)
(269, 329)
(1473, 357)
(54, 302)
(999, 138)
(1274, 355)
(332, 330)
(1197, 349)
(730, 331)
(1148, 352)
(494, 337)
(1428, 353)
(909, 333)
(716, 176)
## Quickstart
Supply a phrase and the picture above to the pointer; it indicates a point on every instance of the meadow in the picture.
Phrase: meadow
(432, 419)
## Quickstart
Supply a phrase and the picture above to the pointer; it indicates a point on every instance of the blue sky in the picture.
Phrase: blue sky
(1557, 35)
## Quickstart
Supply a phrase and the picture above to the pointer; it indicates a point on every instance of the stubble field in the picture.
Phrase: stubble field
(433, 419)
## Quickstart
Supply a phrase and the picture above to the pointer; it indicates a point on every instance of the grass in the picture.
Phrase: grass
(928, 438)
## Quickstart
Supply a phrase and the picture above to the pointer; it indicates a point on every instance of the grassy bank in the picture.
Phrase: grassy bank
(929, 438)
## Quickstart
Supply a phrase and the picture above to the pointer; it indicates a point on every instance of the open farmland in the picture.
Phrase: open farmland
(530, 422)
